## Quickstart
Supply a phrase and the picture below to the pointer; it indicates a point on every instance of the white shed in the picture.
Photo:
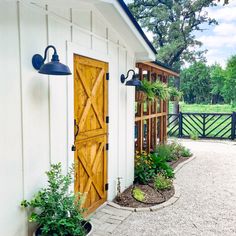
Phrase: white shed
(40, 114)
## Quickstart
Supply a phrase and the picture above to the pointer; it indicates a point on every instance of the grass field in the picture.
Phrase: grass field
(226, 108)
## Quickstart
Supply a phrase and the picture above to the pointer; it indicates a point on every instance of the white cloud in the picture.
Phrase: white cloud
(225, 13)
(227, 29)
(218, 41)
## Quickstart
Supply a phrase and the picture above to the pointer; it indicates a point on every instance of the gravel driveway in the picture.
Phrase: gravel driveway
(207, 205)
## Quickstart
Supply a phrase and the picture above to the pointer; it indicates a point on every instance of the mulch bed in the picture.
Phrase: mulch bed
(152, 196)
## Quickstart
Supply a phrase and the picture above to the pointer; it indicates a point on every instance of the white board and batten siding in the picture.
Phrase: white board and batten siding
(36, 111)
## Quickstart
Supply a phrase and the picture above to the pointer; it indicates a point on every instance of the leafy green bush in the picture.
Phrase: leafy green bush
(186, 153)
(54, 208)
(164, 151)
(161, 166)
(148, 165)
(138, 194)
(144, 168)
(194, 135)
(161, 182)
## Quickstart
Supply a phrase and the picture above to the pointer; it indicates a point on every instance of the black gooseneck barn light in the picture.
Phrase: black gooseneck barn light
(51, 68)
(133, 82)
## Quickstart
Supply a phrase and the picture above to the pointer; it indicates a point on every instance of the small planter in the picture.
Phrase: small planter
(140, 96)
(86, 225)
(174, 99)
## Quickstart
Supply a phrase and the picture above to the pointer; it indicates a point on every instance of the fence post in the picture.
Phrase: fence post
(233, 125)
(203, 125)
(180, 125)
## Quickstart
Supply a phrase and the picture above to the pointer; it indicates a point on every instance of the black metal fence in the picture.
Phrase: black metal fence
(204, 125)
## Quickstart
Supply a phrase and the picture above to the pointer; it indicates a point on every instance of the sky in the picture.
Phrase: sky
(219, 40)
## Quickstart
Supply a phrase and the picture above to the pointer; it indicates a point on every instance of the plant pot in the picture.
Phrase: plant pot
(140, 96)
(174, 99)
(87, 227)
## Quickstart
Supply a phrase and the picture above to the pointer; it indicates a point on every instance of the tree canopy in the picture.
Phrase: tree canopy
(172, 24)
(209, 84)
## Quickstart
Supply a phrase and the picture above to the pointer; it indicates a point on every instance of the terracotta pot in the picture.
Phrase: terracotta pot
(140, 96)
(87, 226)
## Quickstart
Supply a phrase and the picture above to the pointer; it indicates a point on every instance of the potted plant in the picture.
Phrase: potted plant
(55, 209)
(160, 90)
(147, 88)
(140, 96)
(175, 94)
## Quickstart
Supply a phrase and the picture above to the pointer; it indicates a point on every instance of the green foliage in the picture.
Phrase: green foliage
(161, 166)
(54, 208)
(148, 165)
(175, 94)
(217, 76)
(186, 153)
(146, 87)
(144, 168)
(164, 151)
(161, 182)
(154, 90)
(196, 84)
(229, 89)
(173, 25)
(160, 90)
(209, 84)
(138, 194)
(194, 135)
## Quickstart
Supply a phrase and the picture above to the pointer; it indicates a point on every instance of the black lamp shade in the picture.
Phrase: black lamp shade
(51, 68)
(54, 68)
(133, 82)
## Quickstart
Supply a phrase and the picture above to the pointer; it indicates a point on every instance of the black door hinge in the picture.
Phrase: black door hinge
(107, 146)
(106, 187)
(73, 148)
(107, 119)
(107, 76)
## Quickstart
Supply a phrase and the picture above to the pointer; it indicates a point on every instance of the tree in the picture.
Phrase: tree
(196, 83)
(172, 24)
(229, 89)
(217, 75)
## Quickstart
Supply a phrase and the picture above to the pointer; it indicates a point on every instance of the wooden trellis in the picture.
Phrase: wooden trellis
(151, 117)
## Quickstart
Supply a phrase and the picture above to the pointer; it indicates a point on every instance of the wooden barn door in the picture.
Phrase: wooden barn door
(90, 111)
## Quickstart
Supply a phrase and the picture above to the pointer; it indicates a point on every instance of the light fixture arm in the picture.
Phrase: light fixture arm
(123, 77)
(54, 56)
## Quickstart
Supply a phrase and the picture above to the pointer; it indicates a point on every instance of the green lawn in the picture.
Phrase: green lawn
(226, 108)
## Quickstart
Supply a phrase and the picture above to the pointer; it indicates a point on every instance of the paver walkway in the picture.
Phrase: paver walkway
(207, 205)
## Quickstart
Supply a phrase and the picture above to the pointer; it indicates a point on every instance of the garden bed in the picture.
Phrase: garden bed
(152, 196)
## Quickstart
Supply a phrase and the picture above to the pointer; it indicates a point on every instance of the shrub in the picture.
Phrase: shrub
(138, 194)
(186, 153)
(144, 168)
(161, 166)
(54, 208)
(164, 151)
(178, 150)
(194, 135)
(161, 182)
